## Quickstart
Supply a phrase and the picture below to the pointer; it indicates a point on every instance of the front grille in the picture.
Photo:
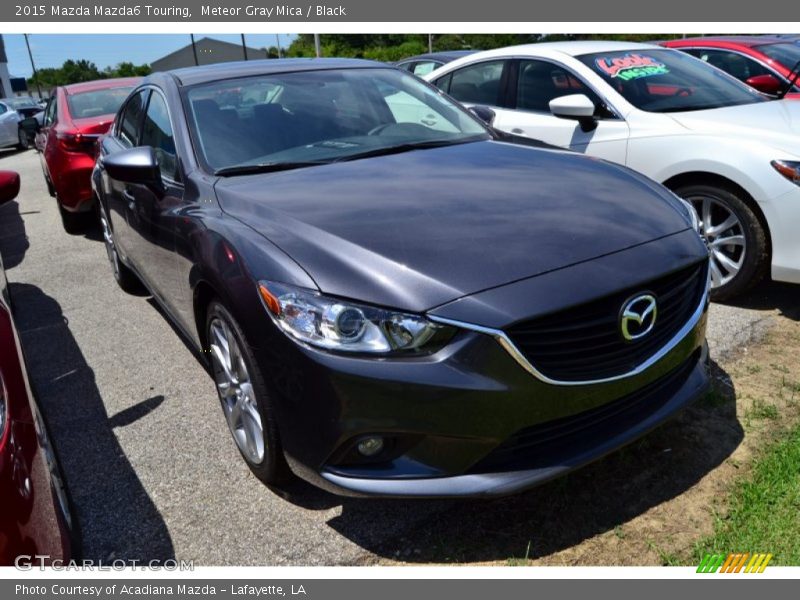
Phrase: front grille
(554, 442)
(585, 342)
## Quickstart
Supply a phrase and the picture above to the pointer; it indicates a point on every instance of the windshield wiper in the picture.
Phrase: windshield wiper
(405, 148)
(790, 84)
(250, 169)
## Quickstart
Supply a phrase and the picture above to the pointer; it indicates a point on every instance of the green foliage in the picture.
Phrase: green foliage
(76, 71)
(393, 47)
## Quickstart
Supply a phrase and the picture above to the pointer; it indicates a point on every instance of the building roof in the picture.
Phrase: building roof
(204, 43)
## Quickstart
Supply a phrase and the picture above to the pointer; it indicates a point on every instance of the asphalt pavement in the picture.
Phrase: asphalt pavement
(144, 445)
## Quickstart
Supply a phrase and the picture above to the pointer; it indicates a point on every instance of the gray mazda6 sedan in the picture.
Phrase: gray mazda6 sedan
(392, 298)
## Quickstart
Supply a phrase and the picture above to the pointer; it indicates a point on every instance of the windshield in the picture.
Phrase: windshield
(786, 54)
(97, 103)
(315, 117)
(668, 81)
(16, 103)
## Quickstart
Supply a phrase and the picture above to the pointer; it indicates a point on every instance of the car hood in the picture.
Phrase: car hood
(775, 123)
(421, 228)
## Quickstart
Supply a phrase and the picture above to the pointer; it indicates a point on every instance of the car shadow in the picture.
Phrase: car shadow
(771, 295)
(117, 517)
(13, 238)
(557, 515)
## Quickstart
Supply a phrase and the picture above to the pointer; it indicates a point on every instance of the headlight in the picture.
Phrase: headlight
(692, 218)
(789, 169)
(339, 325)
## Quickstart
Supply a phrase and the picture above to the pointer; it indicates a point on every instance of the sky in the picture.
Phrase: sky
(109, 50)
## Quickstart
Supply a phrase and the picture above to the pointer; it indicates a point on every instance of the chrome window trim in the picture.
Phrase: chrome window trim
(502, 338)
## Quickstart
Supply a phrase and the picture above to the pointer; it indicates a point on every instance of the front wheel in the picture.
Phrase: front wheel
(244, 397)
(736, 238)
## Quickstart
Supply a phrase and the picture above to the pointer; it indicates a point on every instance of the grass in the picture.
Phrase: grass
(760, 410)
(521, 562)
(764, 510)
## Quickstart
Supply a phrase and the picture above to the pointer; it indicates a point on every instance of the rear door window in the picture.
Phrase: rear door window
(476, 84)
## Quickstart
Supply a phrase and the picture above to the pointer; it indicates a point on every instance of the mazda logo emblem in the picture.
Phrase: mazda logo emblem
(638, 317)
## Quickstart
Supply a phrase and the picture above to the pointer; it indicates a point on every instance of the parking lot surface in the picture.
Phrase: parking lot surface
(144, 445)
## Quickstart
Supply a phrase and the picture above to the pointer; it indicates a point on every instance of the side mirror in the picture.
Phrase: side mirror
(135, 165)
(484, 113)
(9, 186)
(577, 107)
(767, 84)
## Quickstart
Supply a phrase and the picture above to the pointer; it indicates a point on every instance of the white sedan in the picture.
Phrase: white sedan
(731, 151)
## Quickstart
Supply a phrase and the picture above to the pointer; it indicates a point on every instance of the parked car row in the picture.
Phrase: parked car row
(400, 296)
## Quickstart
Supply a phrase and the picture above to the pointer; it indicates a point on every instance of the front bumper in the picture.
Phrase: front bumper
(577, 448)
(459, 413)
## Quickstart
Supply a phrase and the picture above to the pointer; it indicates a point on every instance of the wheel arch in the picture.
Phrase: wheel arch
(714, 179)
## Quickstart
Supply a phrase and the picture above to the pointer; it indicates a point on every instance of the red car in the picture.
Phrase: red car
(762, 62)
(76, 115)
(35, 516)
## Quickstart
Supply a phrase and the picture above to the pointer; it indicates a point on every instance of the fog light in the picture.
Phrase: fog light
(370, 446)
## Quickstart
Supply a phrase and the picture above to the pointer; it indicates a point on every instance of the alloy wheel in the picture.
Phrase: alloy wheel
(236, 391)
(108, 238)
(724, 234)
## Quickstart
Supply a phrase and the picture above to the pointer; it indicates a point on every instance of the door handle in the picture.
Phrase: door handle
(517, 130)
(126, 193)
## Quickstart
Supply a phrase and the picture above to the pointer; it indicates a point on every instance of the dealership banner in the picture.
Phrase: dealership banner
(385, 589)
(267, 11)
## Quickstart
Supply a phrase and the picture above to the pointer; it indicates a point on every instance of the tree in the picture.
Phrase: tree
(76, 71)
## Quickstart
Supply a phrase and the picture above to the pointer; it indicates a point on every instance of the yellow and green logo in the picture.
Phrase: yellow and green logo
(735, 562)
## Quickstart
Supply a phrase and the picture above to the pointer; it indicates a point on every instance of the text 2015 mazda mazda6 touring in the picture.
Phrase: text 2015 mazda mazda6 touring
(393, 301)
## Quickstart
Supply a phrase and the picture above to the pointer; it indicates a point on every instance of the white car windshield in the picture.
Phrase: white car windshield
(668, 81)
(314, 117)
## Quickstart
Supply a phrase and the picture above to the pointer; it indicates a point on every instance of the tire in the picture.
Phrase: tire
(250, 394)
(125, 278)
(741, 263)
(24, 142)
(73, 222)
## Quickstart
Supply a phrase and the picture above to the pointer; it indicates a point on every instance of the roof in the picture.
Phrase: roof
(571, 48)
(444, 56)
(101, 84)
(741, 40)
(249, 68)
